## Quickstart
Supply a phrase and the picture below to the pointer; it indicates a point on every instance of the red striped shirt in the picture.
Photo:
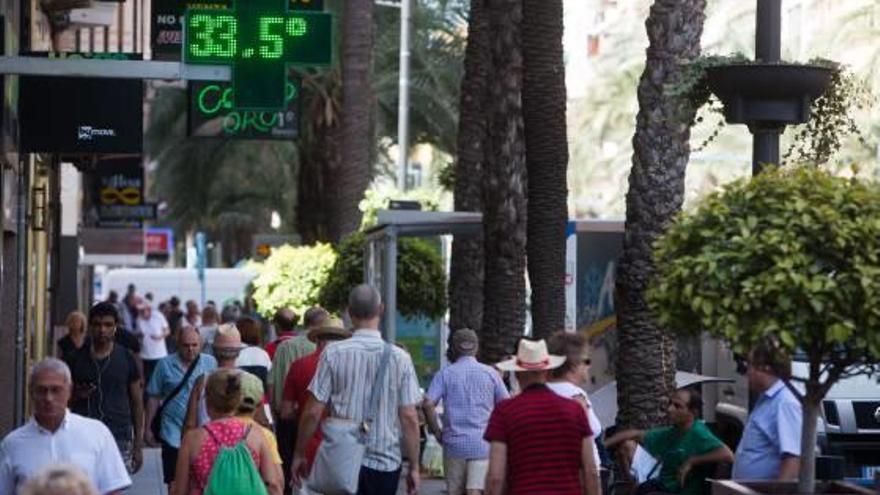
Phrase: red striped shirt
(544, 434)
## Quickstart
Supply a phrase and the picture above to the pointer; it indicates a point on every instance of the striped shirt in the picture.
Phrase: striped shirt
(286, 353)
(346, 376)
(469, 391)
(544, 434)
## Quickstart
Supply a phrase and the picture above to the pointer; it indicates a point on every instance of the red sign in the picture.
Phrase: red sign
(158, 242)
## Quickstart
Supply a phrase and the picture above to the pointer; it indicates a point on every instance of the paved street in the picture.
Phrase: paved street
(149, 480)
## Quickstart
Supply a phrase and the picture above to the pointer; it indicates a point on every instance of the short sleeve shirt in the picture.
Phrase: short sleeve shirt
(672, 448)
(544, 434)
(469, 391)
(346, 376)
(285, 354)
(83, 442)
(772, 431)
(108, 381)
(168, 373)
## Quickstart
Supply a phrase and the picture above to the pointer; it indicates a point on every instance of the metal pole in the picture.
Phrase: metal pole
(768, 48)
(20, 317)
(390, 282)
(403, 100)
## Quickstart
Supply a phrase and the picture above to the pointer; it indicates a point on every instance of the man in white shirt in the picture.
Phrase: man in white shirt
(152, 329)
(55, 435)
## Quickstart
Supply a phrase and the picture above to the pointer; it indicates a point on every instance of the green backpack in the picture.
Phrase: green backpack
(234, 472)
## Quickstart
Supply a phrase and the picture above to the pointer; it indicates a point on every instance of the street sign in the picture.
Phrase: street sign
(158, 242)
(79, 115)
(117, 193)
(259, 39)
(212, 113)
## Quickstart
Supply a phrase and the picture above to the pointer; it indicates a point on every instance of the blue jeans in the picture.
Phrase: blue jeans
(374, 482)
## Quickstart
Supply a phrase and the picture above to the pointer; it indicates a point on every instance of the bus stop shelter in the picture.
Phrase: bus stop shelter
(380, 257)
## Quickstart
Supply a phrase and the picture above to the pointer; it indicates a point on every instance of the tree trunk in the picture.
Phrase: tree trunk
(318, 156)
(807, 473)
(646, 362)
(466, 277)
(504, 188)
(353, 175)
(544, 103)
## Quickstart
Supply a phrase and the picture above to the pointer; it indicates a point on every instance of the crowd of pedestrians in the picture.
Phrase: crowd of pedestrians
(330, 407)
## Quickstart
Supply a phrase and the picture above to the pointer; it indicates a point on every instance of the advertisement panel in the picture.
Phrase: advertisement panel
(79, 114)
(212, 113)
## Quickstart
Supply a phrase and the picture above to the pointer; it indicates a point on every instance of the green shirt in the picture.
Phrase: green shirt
(672, 448)
(289, 351)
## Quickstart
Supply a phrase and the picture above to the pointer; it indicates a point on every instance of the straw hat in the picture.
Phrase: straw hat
(531, 355)
(333, 329)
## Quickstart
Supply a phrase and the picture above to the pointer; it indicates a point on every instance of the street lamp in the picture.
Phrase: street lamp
(405, 7)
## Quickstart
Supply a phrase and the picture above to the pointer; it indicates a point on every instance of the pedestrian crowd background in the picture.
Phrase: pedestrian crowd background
(241, 405)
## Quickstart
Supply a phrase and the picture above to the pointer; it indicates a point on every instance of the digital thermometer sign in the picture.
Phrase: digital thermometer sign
(259, 39)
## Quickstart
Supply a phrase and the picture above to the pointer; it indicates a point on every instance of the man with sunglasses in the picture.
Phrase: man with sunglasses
(469, 391)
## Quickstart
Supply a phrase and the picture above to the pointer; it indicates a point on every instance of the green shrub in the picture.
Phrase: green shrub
(421, 280)
(292, 277)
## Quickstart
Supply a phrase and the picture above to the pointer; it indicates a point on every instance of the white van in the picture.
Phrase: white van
(221, 284)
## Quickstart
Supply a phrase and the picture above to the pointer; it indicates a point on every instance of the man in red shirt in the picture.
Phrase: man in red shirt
(285, 326)
(300, 375)
(540, 442)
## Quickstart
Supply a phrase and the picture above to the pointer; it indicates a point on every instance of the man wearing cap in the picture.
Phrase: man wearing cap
(301, 373)
(469, 391)
(540, 442)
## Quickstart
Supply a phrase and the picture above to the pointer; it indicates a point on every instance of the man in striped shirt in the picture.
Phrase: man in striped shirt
(346, 376)
(540, 442)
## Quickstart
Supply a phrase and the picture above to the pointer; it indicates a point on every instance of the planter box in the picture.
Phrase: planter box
(768, 95)
(728, 487)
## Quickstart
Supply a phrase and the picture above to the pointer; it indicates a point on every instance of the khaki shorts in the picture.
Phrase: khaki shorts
(465, 474)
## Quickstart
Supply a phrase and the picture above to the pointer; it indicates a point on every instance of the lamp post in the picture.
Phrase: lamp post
(768, 49)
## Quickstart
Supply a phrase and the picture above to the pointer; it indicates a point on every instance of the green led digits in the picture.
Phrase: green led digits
(271, 44)
(215, 36)
(259, 39)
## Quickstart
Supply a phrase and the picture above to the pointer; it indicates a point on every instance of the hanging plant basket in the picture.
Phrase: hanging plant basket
(768, 95)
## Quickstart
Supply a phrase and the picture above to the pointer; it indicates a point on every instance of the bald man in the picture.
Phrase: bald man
(168, 374)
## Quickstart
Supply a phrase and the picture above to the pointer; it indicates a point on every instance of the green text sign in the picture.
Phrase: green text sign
(259, 39)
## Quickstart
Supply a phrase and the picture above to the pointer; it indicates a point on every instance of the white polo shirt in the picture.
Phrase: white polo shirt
(80, 441)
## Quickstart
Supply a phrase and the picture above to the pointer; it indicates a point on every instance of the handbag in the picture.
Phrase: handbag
(337, 466)
(156, 423)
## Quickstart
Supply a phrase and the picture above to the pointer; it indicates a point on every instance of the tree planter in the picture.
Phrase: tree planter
(764, 95)
(728, 487)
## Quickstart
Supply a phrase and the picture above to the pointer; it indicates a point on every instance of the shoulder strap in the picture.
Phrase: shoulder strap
(180, 385)
(376, 393)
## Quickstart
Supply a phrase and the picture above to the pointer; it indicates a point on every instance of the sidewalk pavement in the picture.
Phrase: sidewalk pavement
(148, 481)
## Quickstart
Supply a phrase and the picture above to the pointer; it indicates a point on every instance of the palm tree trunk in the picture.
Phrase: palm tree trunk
(353, 174)
(504, 189)
(318, 157)
(646, 363)
(544, 102)
(466, 272)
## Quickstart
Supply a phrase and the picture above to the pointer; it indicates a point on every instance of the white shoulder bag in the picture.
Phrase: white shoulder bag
(337, 465)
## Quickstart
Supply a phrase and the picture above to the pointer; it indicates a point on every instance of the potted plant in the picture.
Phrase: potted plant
(790, 254)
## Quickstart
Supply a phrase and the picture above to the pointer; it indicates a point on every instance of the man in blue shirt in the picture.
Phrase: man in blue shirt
(469, 391)
(169, 372)
(770, 447)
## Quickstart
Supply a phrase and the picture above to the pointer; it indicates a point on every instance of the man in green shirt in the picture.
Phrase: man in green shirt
(686, 450)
